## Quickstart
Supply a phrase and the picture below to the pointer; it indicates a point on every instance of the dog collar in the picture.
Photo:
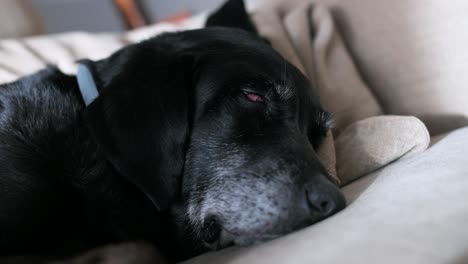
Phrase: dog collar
(87, 85)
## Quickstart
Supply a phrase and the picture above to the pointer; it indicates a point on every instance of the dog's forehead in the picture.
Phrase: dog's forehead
(240, 55)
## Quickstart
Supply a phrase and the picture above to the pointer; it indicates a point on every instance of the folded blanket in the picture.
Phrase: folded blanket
(19, 57)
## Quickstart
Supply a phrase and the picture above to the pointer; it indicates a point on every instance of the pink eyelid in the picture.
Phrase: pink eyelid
(254, 97)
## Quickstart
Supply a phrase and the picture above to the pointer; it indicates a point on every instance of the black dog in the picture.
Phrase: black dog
(198, 140)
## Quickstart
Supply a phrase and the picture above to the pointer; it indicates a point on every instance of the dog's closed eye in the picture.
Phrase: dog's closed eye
(253, 97)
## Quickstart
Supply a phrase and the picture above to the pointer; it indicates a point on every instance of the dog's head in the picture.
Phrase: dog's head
(217, 129)
(251, 166)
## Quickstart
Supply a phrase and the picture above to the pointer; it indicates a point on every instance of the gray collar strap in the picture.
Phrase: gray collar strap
(87, 85)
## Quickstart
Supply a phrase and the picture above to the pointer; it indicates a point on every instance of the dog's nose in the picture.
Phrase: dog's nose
(324, 199)
(214, 236)
(211, 231)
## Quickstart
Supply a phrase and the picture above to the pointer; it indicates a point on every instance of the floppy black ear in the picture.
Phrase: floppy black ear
(141, 118)
(232, 14)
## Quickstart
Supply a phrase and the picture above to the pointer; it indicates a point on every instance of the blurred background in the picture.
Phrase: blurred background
(106, 15)
(31, 17)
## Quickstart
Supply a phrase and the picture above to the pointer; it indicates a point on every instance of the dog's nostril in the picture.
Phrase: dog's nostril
(320, 202)
(324, 205)
(211, 230)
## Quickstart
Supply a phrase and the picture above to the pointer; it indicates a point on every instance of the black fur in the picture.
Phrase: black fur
(172, 151)
(232, 14)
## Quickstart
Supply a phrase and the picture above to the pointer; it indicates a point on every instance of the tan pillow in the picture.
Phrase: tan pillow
(372, 143)
(413, 54)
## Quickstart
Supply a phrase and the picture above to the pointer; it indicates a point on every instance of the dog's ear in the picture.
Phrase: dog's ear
(232, 14)
(141, 118)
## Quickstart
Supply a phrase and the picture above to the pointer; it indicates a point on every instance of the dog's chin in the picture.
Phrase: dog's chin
(228, 239)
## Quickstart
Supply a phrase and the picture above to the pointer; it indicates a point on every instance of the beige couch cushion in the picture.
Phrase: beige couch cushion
(412, 54)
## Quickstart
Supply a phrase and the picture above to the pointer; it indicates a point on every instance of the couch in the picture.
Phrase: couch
(394, 75)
